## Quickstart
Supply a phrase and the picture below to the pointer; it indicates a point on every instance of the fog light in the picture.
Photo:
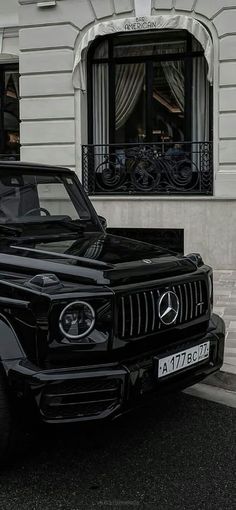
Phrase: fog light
(77, 320)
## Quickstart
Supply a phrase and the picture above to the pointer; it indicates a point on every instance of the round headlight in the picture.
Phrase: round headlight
(77, 320)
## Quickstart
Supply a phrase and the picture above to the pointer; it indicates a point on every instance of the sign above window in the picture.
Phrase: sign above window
(142, 23)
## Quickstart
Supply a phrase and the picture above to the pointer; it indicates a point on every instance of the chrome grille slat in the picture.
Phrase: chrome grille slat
(200, 295)
(153, 311)
(131, 315)
(181, 304)
(196, 299)
(158, 297)
(123, 316)
(146, 312)
(191, 300)
(138, 312)
(186, 302)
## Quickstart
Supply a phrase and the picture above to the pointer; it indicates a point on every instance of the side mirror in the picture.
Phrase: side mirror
(103, 222)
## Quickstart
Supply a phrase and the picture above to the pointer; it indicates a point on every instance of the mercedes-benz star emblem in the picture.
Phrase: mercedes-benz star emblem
(168, 308)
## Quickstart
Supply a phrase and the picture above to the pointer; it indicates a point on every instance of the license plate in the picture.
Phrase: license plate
(183, 359)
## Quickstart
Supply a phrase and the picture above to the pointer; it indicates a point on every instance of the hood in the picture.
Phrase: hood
(95, 258)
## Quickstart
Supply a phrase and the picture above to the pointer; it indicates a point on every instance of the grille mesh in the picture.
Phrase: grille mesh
(80, 398)
(138, 311)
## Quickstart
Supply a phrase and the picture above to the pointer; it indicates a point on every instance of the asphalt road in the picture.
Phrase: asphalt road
(176, 455)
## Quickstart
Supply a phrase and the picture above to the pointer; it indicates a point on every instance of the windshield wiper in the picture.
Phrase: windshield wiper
(16, 231)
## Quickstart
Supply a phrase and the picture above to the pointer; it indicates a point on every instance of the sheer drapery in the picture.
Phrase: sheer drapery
(101, 104)
(200, 101)
(174, 74)
(100, 113)
(14, 77)
(129, 84)
(101, 98)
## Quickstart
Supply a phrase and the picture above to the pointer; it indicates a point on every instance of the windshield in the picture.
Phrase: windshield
(29, 198)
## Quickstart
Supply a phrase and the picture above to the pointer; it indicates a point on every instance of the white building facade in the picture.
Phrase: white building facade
(111, 74)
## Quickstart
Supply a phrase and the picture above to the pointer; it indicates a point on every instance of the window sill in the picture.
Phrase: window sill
(154, 198)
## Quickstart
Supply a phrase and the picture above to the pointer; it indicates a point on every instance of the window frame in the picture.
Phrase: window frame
(148, 60)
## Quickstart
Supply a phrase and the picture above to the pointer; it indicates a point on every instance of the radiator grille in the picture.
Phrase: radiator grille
(138, 311)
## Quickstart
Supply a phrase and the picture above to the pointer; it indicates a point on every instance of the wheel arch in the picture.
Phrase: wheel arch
(10, 346)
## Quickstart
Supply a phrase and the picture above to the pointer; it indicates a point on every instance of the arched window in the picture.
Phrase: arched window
(150, 88)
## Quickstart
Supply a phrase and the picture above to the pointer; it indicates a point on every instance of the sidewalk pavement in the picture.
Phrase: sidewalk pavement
(225, 306)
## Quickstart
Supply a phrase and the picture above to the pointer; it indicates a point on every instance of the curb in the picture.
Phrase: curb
(213, 394)
(221, 379)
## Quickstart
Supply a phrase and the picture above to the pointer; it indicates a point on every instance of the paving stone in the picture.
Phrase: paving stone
(221, 292)
(231, 336)
(229, 318)
(230, 344)
(232, 326)
(225, 306)
(230, 310)
(219, 310)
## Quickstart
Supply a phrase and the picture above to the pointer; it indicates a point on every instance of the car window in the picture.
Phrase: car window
(62, 205)
(25, 197)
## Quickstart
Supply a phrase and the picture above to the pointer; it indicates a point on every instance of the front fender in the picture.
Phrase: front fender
(10, 347)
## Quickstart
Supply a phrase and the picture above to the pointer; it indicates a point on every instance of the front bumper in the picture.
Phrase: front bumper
(96, 392)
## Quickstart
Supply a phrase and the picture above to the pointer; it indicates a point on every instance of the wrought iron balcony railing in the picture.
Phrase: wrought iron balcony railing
(157, 168)
(9, 157)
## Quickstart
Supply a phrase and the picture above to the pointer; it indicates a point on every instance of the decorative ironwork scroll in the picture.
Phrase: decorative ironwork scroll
(161, 168)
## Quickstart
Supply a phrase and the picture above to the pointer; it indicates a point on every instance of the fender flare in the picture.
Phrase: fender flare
(10, 347)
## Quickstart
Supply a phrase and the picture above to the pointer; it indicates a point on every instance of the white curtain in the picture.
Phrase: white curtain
(101, 98)
(200, 101)
(129, 84)
(174, 74)
(15, 78)
(100, 114)
(100, 104)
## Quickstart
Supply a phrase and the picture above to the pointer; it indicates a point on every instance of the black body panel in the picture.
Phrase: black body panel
(46, 264)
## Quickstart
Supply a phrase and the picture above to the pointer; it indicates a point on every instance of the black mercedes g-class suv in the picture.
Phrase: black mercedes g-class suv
(91, 323)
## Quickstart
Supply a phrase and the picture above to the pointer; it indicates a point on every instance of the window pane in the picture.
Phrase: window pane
(150, 44)
(55, 199)
(21, 196)
(168, 101)
(11, 139)
(102, 50)
(130, 103)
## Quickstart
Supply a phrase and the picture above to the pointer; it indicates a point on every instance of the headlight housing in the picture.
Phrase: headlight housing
(77, 320)
(196, 258)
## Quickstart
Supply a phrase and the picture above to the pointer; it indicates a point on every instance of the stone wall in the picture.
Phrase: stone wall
(47, 39)
(9, 40)
(209, 224)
